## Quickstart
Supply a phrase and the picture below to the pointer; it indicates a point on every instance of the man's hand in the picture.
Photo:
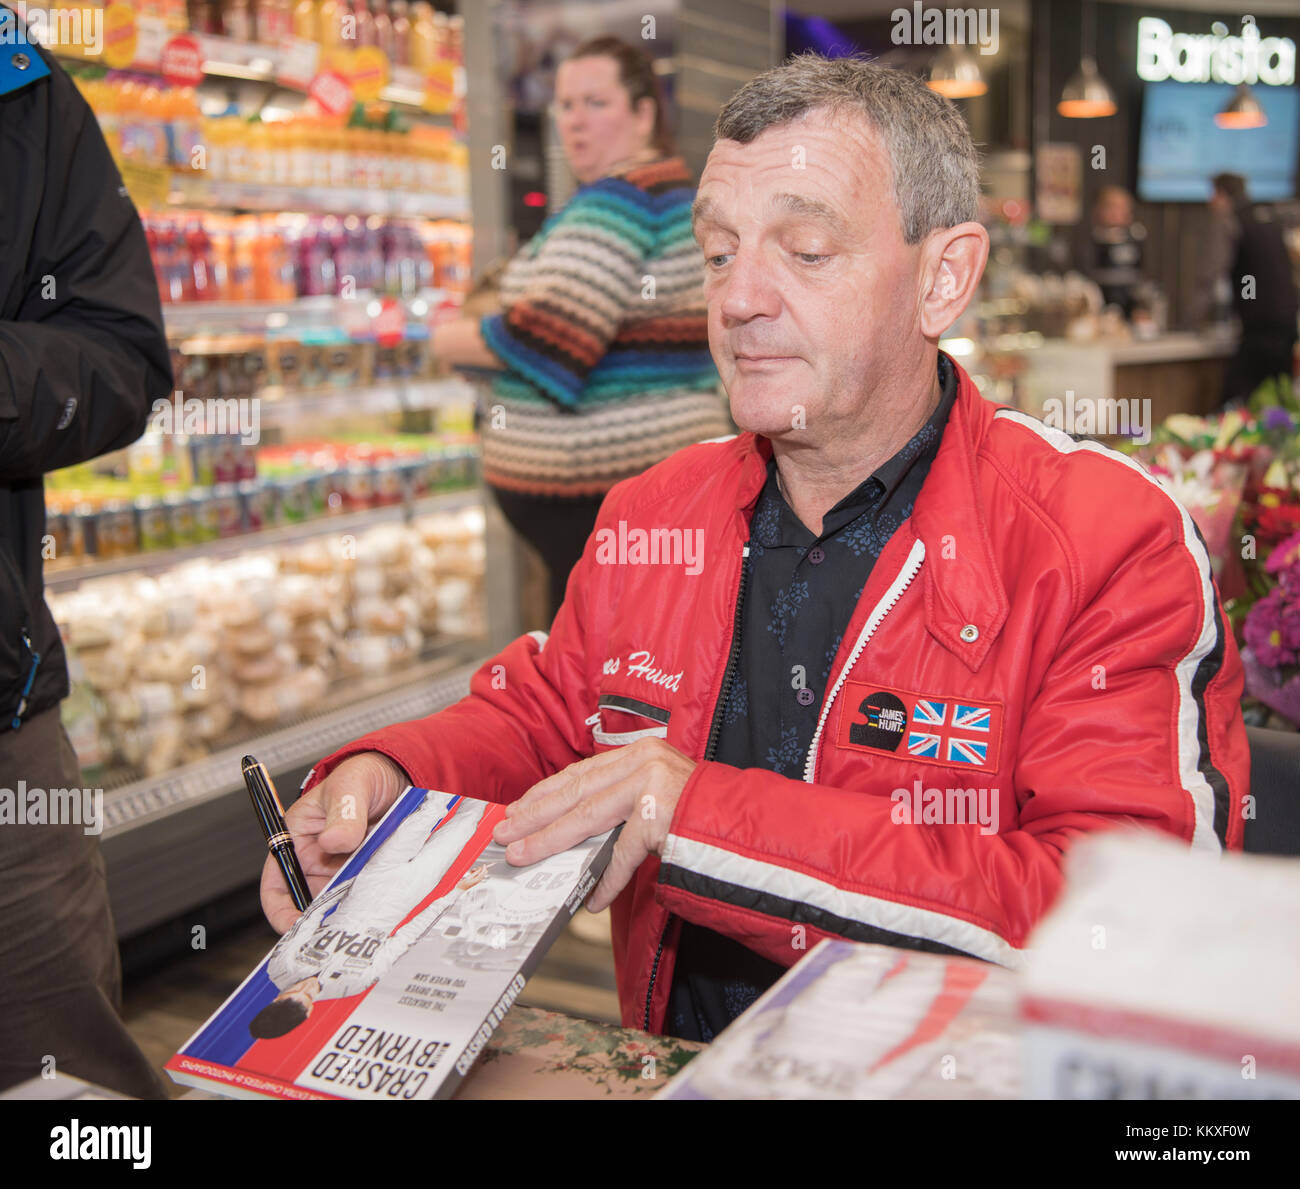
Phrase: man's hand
(638, 784)
(328, 824)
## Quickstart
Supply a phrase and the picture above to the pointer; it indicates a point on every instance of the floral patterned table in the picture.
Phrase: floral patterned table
(543, 1054)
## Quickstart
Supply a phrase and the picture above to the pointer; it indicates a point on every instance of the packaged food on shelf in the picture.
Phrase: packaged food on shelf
(171, 666)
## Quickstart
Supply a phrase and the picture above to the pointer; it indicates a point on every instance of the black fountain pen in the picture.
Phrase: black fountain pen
(266, 804)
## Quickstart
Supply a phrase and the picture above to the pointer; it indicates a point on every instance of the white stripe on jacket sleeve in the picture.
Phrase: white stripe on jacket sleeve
(873, 912)
(1189, 746)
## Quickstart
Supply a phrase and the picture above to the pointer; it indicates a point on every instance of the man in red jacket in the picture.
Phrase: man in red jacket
(869, 668)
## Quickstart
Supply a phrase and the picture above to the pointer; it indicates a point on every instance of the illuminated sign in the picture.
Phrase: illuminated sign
(1213, 57)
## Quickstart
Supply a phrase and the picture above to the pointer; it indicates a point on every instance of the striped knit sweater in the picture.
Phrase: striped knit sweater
(605, 340)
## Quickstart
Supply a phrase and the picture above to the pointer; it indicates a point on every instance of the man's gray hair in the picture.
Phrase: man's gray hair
(932, 158)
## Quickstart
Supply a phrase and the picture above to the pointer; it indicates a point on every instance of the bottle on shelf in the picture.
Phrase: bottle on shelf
(201, 262)
(329, 25)
(363, 24)
(401, 33)
(383, 28)
(424, 36)
(305, 20)
(237, 20)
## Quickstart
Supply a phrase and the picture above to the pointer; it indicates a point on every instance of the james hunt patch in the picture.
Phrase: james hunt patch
(928, 728)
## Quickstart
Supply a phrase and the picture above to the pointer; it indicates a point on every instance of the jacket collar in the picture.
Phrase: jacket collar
(961, 584)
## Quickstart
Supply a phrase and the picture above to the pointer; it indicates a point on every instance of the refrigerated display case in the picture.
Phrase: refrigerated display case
(279, 588)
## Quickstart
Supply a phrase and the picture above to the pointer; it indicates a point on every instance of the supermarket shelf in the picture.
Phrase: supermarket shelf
(342, 200)
(280, 408)
(194, 317)
(250, 61)
(180, 840)
(152, 563)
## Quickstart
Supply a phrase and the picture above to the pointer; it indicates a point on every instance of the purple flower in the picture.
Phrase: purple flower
(1278, 419)
(1289, 629)
(1263, 632)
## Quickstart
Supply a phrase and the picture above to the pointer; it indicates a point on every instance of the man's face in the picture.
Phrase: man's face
(813, 295)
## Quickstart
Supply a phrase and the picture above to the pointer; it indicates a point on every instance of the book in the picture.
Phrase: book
(867, 1021)
(392, 981)
(1165, 973)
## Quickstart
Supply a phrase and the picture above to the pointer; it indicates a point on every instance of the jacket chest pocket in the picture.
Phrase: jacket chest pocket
(620, 720)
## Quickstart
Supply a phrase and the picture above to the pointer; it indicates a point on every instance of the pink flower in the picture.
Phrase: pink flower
(1285, 554)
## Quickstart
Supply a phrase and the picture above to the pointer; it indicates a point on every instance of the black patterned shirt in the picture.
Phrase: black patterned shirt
(800, 594)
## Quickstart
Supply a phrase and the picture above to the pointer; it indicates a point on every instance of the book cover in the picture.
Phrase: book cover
(867, 1021)
(392, 981)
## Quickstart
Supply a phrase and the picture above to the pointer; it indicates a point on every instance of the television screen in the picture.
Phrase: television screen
(1181, 147)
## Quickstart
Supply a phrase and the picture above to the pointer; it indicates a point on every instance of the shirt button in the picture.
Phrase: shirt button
(21, 61)
(970, 633)
(805, 696)
(816, 555)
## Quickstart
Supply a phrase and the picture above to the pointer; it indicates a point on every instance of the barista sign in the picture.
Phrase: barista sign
(1213, 57)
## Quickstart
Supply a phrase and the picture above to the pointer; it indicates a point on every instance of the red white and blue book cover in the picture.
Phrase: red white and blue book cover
(392, 981)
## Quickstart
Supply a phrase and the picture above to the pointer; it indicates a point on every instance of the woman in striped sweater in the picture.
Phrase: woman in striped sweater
(602, 342)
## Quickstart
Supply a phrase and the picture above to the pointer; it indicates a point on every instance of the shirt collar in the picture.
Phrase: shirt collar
(879, 487)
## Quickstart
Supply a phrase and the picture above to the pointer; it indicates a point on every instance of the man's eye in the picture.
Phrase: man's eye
(717, 261)
(811, 257)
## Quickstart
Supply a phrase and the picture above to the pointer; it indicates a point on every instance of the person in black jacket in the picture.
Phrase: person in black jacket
(1247, 245)
(82, 359)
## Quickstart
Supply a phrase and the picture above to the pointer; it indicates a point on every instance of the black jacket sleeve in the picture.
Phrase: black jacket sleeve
(83, 355)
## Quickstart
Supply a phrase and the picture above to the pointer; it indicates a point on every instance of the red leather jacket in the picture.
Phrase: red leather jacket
(1039, 649)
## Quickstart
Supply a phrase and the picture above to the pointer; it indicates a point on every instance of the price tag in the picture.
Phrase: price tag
(151, 38)
(440, 87)
(148, 185)
(368, 72)
(120, 35)
(181, 61)
(332, 92)
(298, 61)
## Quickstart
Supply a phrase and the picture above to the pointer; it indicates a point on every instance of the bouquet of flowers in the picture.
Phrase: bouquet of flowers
(1272, 635)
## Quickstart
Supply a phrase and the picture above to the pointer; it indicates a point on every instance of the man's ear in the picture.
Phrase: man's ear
(953, 262)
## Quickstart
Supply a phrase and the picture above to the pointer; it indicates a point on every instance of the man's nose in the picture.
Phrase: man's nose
(746, 289)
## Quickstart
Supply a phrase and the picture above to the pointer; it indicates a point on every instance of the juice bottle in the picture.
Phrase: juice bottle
(423, 36)
(259, 151)
(401, 23)
(441, 36)
(363, 24)
(329, 25)
(241, 275)
(281, 160)
(456, 39)
(238, 20)
(383, 28)
(305, 18)
(175, 16)
(263, 289)
(200, 261)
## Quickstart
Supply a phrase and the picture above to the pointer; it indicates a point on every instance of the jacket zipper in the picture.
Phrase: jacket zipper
(715, 729)
(882, 608)
(27, 685)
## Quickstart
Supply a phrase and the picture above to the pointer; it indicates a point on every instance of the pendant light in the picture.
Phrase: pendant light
(956, 74)
(1087, 95)
(1243, 110)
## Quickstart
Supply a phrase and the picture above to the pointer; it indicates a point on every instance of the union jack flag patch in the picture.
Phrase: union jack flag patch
(935, 730)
